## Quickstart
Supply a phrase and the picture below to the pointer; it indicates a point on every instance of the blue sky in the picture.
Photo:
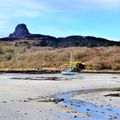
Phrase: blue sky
(100, 18)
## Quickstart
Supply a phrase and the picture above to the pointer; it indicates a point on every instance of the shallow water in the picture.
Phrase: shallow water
(95, 112)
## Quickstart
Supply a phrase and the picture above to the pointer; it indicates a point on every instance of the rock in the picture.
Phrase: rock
(88, 109)
(75, 116)
(113, 95)
(57, 100)
(25, 113)
(21, 31)
(4, 101)
(26, 101)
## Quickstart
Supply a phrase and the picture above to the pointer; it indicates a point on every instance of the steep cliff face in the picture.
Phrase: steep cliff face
(21, 31)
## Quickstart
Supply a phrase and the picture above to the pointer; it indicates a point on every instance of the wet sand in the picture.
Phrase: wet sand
(31, 96)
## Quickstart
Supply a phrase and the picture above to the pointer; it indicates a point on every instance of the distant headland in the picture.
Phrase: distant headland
(21, 32)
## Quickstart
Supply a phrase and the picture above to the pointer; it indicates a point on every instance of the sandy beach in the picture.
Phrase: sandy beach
(33, 96)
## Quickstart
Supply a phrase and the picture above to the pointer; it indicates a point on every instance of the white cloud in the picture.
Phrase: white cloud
(79, 5)
(12, 9)
(34, 8)
(18, 8)
(105, 4)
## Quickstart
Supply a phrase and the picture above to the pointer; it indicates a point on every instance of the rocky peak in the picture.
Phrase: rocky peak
(21, 31)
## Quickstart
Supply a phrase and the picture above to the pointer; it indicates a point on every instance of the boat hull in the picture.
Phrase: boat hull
(68, 73)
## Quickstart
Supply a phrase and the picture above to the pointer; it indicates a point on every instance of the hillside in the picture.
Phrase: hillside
(37, 58)
(22, 50)
(23, 37)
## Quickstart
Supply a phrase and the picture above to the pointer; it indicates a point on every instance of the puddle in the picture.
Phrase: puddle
(94, 111)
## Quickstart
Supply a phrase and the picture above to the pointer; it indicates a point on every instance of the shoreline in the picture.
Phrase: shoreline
(32, 99)
(57, 71)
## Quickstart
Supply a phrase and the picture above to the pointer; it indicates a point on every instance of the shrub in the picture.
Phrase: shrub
(9, 49)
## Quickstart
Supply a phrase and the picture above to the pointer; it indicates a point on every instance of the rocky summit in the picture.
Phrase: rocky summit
(21, 31)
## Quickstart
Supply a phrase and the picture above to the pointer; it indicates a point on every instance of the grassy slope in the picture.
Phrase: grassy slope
(24, 58)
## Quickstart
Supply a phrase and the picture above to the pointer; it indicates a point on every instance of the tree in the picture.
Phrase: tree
(79, 67)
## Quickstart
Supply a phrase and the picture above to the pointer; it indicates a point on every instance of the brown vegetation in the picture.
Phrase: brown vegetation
(36, 58)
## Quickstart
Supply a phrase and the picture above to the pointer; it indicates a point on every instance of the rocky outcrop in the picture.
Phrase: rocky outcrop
(21, 31)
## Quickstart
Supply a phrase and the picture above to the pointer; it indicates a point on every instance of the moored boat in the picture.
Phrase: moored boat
(69, 70)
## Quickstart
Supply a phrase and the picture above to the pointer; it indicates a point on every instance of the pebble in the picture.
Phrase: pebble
(25, 113)
(4, 101)
(75, 116)
(88, 109)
